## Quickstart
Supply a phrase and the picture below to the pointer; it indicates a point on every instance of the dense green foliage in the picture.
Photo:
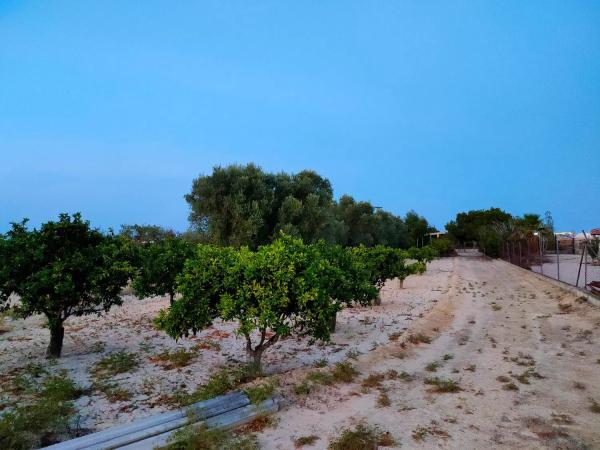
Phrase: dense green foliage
(491, 227)
(443, 246)
(144, 234)
(467, 226)
(159, 264)
(64, 269)
(242, 205)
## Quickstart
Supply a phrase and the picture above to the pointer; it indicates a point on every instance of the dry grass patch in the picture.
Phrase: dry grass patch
(305, 440)
(373, 381)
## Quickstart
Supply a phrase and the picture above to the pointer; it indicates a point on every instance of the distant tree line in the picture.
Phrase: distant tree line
(490, 227)
(243, 205)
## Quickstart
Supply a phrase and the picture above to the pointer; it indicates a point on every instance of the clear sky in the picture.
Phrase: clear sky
(111, 108)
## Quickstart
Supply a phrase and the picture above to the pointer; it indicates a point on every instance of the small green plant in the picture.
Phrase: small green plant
(395, 336)
(432, 367)
(595, 406)
(219, 383)
(352, 354)
(172, 360)
(383, 400)
(419, 338)
(392, 374)
(203, 438)
(324, 378)
(441, 385)
(321, 363)
(511, 387)
(405, 376)
(302, 388)
(448, 357)
(112, 391)
(114, 364)
(419, 433)
(344, 372)
(361, 438)
(305, 440)
(373, 380)
(261, 392)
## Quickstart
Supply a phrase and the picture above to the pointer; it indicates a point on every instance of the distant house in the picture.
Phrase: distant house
(437, 234)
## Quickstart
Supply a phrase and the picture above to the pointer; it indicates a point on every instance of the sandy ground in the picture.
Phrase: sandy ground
(491, 319)
(526, 330)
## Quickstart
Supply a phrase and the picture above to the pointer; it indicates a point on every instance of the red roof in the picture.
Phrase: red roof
(596, 232)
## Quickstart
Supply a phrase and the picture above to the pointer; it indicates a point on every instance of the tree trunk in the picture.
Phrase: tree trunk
(57, 333)
(401, 282)
(377, 300)
(253, 360)
(171, 296)
(332, 323)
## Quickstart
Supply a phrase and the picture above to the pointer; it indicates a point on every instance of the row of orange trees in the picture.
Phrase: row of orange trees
(66, 268)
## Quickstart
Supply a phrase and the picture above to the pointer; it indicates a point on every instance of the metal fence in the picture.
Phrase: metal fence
(566, 259)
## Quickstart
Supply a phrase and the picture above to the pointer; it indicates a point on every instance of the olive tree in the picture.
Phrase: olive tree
(64, 269)
(159, 265)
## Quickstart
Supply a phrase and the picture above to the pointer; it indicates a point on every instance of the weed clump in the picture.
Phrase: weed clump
(115, 364)
(173, 360)
(441, 385)
(305, 440)
(419, 338)
(361, 438)
(373, 381)
(203, 438)
(344, 372)
(258, 394)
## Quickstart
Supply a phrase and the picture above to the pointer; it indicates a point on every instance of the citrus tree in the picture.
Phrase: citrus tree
(280, 289)
(206, 276)
(64, 269)
(159, 264)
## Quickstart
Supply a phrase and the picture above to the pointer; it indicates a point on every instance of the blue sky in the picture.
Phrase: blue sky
(111, 108)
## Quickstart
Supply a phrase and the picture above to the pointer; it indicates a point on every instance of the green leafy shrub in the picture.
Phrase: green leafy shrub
(443, 246)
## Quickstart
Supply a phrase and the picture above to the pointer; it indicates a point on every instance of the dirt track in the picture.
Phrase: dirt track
(495, 320)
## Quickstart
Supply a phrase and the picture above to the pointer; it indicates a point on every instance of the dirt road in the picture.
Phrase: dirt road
(523, 353)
